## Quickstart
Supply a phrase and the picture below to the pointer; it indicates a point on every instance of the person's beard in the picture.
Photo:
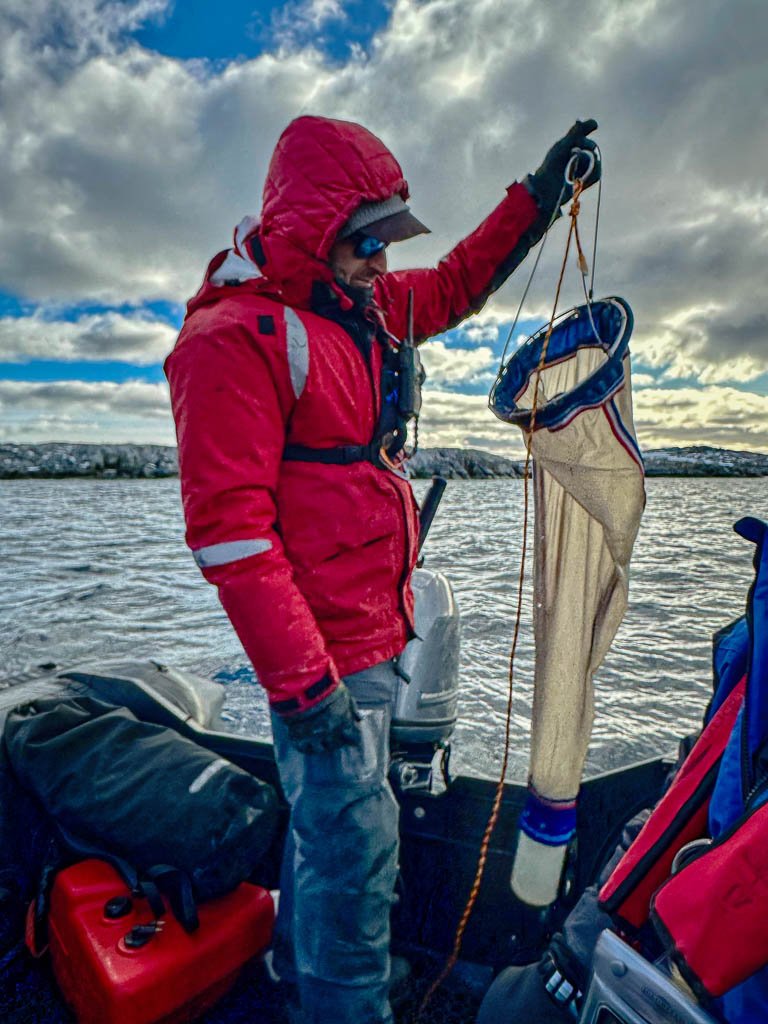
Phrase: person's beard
(361, 297)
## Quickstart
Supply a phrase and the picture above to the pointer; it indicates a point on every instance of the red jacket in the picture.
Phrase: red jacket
(312, 560)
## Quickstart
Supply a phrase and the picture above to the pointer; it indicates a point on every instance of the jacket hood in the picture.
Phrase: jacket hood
(320, 172)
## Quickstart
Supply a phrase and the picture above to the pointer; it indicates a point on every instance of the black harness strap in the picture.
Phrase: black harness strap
(390, 427)
(344, 455)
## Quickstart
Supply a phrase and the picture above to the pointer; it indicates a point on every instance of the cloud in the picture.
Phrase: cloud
(130, 168)
(85, 411)
(123, 171)
(138, 339)
(139, 412)
(724, 417)
(453, 420)
(458, 365)
(63, 32)
(712, 344)
(296, 23)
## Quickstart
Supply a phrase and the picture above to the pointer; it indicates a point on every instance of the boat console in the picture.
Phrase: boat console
(625, 988)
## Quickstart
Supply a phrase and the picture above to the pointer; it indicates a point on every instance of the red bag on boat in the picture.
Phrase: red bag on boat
(117, 964)
(711, 914)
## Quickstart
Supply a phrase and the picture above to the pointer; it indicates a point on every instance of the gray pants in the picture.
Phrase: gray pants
(340, 865)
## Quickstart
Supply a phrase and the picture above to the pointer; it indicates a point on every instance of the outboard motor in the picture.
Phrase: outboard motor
(426, 701)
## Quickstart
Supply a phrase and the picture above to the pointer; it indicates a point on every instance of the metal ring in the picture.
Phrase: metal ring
(576, 154)
(689, 853)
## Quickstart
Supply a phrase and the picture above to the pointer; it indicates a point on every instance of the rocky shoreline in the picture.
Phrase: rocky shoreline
(105, 461)
(129, 461)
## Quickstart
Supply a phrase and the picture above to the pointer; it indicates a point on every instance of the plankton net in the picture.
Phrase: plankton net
(588, 486)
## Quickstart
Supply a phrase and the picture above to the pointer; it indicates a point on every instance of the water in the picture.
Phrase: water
(98, 568)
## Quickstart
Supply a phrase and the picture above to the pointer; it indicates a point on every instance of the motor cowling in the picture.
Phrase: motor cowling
(426, 700)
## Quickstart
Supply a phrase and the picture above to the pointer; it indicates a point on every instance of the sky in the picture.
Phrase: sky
(135, 134)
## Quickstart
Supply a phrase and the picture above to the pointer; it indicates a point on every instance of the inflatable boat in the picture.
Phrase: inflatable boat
(442, 822)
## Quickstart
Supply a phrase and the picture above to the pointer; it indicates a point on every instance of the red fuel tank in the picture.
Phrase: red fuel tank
(175, 976)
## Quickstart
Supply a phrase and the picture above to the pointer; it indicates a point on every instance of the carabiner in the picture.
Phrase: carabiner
(570, 170)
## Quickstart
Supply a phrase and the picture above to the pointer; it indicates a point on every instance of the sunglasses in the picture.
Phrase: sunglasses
(367, 246)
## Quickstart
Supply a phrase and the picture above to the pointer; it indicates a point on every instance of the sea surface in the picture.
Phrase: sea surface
(96, 569)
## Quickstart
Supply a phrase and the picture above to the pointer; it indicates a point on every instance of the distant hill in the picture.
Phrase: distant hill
(130, 461)
(699, 460)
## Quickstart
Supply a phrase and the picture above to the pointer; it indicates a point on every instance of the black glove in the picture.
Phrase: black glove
(328, 725)
(517, 994)
(547, 992)
(547, 184)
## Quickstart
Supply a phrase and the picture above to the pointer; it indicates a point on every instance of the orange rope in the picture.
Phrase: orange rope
(573, 232)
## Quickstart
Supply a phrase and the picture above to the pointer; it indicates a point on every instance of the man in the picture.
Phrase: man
(284, 384)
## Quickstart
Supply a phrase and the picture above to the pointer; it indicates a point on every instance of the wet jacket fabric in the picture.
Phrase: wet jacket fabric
(312, 561)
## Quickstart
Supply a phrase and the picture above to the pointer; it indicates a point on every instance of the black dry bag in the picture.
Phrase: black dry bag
(142, 792)
(26, 835)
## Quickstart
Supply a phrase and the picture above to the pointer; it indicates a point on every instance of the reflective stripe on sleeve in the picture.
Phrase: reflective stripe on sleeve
(298, 350)
(230, 551)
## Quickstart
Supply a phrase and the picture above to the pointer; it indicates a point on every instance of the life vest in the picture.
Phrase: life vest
(679, 818)
(708, 908)
(401, 378)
